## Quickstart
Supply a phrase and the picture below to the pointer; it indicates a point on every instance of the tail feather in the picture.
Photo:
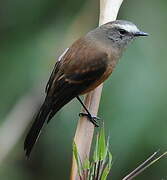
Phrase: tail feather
(48, 110)
(35, 130)
(46, 113)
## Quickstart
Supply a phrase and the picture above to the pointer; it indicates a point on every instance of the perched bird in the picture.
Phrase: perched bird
(82, 67)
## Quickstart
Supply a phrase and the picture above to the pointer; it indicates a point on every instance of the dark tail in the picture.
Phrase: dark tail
(35, 130)
(46, 113)
(48, 110)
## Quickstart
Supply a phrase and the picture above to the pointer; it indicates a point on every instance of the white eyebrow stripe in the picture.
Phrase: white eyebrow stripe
(129, 28)
(61, 56)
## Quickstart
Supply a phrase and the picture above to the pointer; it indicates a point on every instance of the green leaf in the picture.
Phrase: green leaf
(110, 159)
(95, 154)
(106, 152)
(105, 172)
(101, 145)
(86, 164)
(77, 158)
(107, 167)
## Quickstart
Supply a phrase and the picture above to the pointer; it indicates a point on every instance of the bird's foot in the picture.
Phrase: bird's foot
(92, 119)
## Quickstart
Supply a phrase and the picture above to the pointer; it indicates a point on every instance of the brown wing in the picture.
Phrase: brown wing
(81, 64)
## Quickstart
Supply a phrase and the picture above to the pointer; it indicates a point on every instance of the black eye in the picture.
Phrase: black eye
(122, 31)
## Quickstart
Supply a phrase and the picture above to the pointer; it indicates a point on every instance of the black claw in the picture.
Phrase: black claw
(93, 119)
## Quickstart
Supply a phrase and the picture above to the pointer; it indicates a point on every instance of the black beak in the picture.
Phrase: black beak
(140, 33)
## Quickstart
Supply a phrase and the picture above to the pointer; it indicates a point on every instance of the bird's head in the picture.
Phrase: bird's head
(121, 32)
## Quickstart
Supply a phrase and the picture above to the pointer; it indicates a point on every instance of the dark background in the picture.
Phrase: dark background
(134, 101)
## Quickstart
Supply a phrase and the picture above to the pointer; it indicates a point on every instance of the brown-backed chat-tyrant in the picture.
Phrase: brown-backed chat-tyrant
(82, 67)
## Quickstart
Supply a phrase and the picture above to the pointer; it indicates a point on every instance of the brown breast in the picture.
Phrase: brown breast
(101, 80)
(113, 58)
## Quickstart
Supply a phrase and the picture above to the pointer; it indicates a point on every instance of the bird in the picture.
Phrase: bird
(80, 69)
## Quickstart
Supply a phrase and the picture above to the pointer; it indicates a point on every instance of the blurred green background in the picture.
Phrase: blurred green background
(134, 101)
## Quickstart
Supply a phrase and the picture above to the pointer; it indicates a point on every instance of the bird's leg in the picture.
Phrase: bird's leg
(93, 119)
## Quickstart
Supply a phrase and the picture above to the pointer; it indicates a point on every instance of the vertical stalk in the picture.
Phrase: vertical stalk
(85, 129)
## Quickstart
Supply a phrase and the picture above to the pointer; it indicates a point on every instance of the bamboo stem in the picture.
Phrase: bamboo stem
(85, 129)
